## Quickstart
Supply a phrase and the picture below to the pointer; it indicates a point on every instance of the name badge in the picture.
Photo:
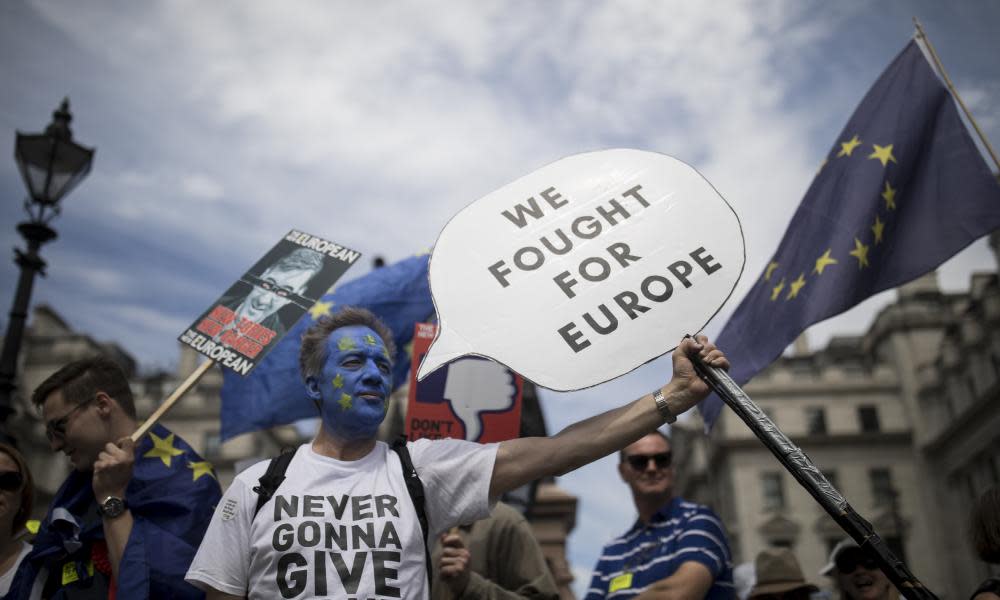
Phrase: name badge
(69, 573)
(622, 582)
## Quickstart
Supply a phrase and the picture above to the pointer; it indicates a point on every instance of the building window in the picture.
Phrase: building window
(868, 418)
(895, 544)
(816, 420)
(881, 482)
(213, 444)
(774, 494)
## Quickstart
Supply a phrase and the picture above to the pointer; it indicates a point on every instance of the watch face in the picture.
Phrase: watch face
(112, 507)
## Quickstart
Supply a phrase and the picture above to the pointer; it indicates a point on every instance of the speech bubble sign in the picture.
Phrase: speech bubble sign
(584, 269)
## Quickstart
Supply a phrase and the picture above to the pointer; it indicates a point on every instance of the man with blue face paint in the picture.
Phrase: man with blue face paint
(353, 386)
(342, 524)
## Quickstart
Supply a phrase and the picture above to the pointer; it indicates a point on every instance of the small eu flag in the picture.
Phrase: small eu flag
(903, 189)
(274, 394)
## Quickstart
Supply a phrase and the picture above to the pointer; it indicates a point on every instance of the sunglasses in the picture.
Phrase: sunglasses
(639, 461)
(282, 291)
(10, 481)
(56, 428)
(847, 562)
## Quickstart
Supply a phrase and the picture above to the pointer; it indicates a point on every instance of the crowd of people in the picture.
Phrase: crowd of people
(349, 516)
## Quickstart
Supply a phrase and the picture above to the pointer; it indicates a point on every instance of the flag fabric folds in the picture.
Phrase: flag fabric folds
(903, 189)
(274, 393)
(172, 496)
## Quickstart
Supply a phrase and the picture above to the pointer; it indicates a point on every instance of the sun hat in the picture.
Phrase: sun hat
(778, 571)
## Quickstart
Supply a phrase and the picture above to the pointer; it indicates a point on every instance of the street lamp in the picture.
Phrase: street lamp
(51, 164)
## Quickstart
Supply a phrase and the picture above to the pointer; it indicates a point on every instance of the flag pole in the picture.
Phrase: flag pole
(188, 383)
(810, 477)
(921, 35)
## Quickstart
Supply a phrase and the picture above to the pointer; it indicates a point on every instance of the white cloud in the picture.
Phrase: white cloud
(89, 278)
(201, 187)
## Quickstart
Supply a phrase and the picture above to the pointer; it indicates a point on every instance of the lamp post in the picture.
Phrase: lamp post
(51, 164)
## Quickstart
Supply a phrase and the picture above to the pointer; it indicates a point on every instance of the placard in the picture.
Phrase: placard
(241, 327)
(472, 399)
(585, 269)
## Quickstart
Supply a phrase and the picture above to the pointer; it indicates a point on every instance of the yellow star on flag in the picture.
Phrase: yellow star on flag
(199, 468)
(770, 269)
(860, 252)
(795, 286)
(823, 262)
(163, 448)
(883, 154)
(889, 195)
(345, 402)
(320, 309)
(338, 381)
(847, 147)
(877, 229)
(369, 339)
(776, 291)
(345, 343)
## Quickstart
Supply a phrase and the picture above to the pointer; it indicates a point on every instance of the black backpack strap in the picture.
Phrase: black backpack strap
(416, 489)
(272, 478)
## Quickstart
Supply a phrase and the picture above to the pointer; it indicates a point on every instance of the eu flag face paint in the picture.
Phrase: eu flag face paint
(354, 385)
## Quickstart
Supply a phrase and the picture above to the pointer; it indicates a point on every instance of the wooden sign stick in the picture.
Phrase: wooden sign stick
(172, 399)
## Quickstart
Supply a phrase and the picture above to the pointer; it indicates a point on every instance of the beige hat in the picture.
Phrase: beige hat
(778, 571)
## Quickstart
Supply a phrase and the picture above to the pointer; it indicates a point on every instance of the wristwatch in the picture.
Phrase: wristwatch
(112, 507)
(661, 405)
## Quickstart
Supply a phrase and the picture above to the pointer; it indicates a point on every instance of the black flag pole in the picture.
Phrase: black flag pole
(805, 472)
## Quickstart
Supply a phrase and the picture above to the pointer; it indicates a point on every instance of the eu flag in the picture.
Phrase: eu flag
(172, 495)
(902, 190)
(274, 393)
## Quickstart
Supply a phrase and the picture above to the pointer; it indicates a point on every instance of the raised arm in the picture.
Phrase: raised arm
(525, 459)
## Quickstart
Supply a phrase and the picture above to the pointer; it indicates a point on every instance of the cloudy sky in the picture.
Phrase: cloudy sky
(219, 126)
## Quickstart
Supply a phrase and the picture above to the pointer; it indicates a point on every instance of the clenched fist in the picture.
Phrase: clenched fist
(113, 469)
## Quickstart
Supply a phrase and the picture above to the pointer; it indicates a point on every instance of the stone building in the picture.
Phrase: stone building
(50, 342)
(904, 420)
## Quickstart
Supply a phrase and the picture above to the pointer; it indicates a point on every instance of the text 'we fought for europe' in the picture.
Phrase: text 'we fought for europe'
(657, 287)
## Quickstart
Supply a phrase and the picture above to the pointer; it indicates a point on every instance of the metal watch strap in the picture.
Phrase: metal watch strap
(661, 406)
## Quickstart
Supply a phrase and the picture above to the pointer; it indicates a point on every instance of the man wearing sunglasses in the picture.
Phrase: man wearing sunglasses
(127, 520)
(856, 574)
(675, 548)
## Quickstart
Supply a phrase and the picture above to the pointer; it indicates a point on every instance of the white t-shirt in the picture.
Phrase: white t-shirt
(342, 529)
(8, 578)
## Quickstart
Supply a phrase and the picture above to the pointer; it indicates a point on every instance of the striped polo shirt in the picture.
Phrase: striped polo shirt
(679, 532)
